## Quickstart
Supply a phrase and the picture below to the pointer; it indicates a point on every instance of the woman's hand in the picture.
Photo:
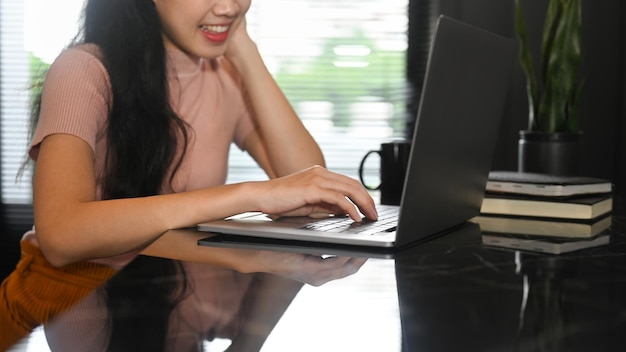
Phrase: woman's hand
(240, 42)
(312, 191)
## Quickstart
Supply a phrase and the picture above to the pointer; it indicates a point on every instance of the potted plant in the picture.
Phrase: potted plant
(551, 144)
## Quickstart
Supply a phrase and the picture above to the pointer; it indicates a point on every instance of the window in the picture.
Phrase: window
(342, 65)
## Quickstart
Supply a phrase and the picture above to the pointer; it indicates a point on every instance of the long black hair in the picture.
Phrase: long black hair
(144, 135)
(143, 130)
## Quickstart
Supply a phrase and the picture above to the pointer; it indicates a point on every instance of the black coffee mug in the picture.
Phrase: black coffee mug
(394, 159)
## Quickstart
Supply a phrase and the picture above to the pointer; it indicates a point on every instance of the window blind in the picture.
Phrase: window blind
(14, 75)
(341, 63)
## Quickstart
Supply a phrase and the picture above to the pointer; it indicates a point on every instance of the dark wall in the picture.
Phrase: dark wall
(603, 103)
(622, 117)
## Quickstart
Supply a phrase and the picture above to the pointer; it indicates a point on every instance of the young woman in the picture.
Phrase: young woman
(135, 125)
(133, 132)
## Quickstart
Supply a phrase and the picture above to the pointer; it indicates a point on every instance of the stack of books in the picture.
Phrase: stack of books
(545, 213)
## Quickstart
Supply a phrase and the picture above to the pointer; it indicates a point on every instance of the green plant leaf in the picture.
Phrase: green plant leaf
(554, 95)
(561, 61)
(526, 61)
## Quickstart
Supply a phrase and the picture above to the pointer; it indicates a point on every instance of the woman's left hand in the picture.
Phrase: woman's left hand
(239, 41)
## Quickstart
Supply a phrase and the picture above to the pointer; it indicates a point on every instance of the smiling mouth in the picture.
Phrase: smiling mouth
(214, 29)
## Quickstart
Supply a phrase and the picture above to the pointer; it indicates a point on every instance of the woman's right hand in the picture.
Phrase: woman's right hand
(312, 191)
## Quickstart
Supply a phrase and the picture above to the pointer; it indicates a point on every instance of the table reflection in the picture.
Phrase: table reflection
(450, 293)
(161, 304)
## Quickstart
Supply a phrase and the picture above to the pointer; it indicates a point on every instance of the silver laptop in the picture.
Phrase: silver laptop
(453, 143)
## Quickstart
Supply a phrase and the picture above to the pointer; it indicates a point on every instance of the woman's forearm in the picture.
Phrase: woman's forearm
(290, 147)
(99, 229)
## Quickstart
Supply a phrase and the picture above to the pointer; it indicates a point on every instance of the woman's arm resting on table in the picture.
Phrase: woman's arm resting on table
(73, 226)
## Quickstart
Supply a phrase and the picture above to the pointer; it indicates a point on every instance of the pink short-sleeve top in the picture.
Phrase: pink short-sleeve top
(207, 94)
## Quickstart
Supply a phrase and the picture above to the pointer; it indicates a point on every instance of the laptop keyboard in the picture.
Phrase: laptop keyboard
(387, 222)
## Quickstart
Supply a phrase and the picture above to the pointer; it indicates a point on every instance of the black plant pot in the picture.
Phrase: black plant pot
(549, 153)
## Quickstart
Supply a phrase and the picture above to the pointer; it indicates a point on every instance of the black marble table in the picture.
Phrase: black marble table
(449, 294)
